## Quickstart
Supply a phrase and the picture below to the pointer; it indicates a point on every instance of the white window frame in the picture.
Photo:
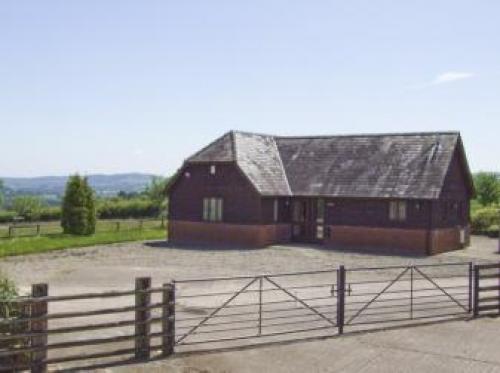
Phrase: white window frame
(212, 209)
(398, 210)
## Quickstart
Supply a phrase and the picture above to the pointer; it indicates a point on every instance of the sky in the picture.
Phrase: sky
(115, 86)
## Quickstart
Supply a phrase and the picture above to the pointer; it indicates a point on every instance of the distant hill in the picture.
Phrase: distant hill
(53, 186)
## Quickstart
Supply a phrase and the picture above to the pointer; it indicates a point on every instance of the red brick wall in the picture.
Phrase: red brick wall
(230, 234)
(395, 240)
(447, 239)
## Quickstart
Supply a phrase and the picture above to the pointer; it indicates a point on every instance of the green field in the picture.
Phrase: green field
(25, 240)
(54, 227)
(40, 244)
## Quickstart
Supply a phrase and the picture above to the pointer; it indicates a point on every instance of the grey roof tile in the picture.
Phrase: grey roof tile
(386, 165)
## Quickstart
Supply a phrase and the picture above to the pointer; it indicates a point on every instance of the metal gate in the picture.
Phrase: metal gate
(246, 310)
(487, 289)
(230, 311)
(390, 296)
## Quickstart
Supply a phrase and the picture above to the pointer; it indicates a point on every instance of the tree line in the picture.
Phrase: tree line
(150, 202)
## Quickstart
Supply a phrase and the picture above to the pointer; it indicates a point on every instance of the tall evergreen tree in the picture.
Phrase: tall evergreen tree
(78, 209)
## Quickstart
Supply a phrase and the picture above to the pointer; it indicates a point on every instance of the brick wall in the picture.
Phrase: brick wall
(228, 234)
(447, 239)
(393, 240)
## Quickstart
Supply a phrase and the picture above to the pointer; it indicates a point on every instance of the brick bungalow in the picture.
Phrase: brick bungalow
(408, 192)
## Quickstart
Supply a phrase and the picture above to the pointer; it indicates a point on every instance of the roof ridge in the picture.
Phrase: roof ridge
(373, 134)
(233, 145)
(282, 165)
(381, 134)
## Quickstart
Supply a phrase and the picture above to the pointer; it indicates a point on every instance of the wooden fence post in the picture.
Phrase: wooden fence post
(38, 229)
(118, 226)
(168, 319)
(340, 298)
(475, 307)
(39, 342)
(162, 222)
(11, 231)
(141, 222)
(142, 318)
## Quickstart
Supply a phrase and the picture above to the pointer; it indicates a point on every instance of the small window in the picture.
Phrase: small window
(212, 169)
(320, 232)
(275, 210)
(212, 209)
(397, 210)
(320, 211)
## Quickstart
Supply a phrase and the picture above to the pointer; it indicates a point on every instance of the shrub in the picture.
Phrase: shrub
(8, 292)
(28, 207)
(7, 216)
(78, 211)
(482, 219)
(127, 208)
(50, 213)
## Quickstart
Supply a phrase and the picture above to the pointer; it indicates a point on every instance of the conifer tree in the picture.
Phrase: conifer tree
(78, 209)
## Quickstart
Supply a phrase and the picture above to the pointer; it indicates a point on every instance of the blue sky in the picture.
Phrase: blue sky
(118, 86)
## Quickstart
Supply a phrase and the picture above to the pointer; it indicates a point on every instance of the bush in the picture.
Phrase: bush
(484, 218)
(78, 211)
(127, 208)
(50, 214)
(493, 231)
(8, 292)
(7, 216)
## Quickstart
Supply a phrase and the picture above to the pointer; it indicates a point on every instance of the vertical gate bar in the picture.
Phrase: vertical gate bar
(476, 291)
(340, 299)
(411, 293)
(168, 319)
(260, 305)
(471, 273)
(142, 318)
(39, 309)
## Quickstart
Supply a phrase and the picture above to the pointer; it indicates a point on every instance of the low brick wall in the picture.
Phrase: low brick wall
(447, 239)
(228, 234)
(393, 240)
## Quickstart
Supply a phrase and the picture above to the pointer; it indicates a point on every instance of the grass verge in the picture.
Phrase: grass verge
(32, 245)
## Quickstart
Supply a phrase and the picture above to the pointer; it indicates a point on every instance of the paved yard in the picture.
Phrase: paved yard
(453, 346)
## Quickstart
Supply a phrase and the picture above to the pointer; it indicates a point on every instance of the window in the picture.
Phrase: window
(212, 169)
(275, 210)
(320, 211)
(397, 210)
(212, 209)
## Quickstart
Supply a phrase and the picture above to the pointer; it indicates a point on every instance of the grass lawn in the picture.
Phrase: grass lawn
(40, 244)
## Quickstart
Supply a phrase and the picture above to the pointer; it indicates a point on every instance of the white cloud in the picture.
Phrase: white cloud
(452, 76)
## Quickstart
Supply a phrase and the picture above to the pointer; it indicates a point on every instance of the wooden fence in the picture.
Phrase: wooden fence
(39, 229)
(34, 339)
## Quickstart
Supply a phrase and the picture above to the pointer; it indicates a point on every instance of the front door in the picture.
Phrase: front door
(308, 219)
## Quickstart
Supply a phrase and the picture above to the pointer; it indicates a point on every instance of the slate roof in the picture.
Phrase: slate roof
(407, 165)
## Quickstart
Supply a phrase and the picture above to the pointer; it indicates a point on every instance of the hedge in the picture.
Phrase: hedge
(485, 220)
(106, 209)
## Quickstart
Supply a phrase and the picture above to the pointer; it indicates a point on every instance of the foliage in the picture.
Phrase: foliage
(484, 218)
(127, 208)
(78, 210)
(2, 193)
(156, 190)
(50, 214)
(7, 216)
(28, 207)
(40, 244)
(8, 292)
(487, 187)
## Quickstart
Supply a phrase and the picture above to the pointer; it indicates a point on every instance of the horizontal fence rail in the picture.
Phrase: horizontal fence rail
(43, 330)
(487, 289)
(103, 225)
